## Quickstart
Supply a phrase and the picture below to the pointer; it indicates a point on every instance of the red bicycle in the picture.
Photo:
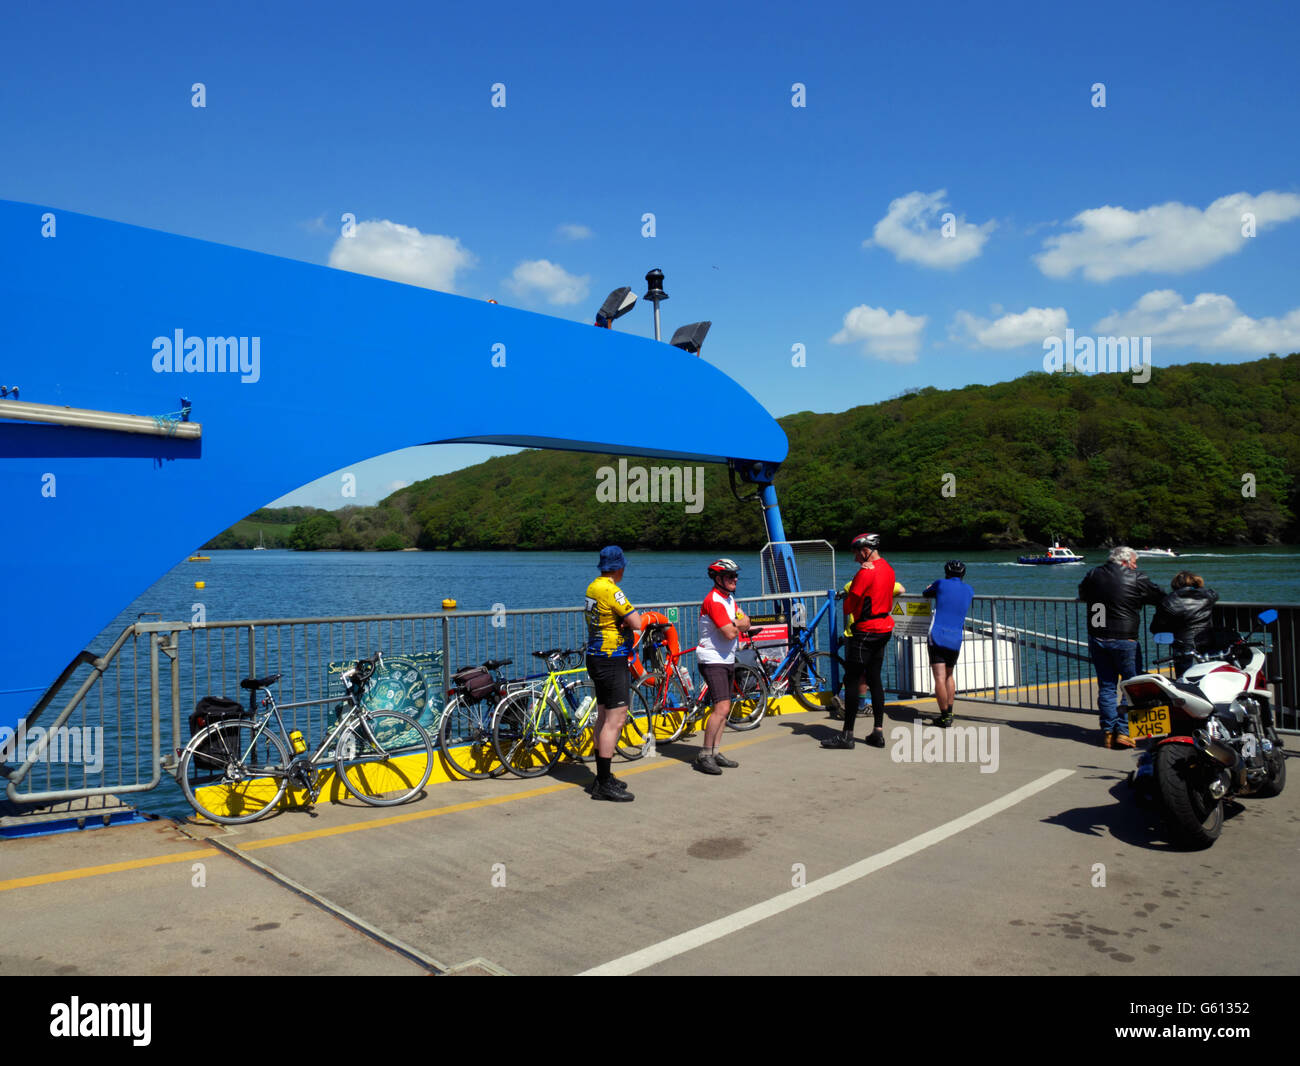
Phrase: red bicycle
(670, 689)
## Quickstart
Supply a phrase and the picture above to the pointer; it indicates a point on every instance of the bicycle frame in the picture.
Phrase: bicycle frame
(560, 692)
(801, 644)
(316, 758)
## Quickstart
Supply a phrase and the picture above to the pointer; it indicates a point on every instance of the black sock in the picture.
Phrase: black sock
(602, 768)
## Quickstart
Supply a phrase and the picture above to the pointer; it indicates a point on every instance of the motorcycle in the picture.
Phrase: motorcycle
(1206, 736)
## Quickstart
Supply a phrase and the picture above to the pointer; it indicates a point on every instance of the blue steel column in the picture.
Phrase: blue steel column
(776, 536)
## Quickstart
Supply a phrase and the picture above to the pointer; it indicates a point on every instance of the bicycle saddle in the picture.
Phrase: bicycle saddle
(252, 684)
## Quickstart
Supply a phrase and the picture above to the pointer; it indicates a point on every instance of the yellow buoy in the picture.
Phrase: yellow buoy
(200, 584)
(449, 604)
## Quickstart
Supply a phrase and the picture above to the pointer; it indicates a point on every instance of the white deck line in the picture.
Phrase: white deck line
(715, 930)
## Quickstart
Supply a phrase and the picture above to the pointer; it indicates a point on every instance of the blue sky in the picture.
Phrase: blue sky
(820, 225)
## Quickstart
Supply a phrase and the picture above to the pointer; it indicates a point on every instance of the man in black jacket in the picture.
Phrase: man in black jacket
(1115, 593)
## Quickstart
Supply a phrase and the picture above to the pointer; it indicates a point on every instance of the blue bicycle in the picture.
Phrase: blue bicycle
(803, 672)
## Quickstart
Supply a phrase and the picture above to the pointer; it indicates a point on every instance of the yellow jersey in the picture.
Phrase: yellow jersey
(606, 607)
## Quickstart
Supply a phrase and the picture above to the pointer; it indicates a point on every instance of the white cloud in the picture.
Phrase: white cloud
(548, 279)
(572, 231)
(906, 231)
(390, 250)
(892, 338)
(1030, 326)
(1111, 242)
(1211, 321)
(393, 486)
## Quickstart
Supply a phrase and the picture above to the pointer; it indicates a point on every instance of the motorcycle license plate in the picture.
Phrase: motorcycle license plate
(1149, 722)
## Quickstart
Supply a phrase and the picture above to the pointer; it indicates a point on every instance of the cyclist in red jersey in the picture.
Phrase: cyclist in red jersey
(868, 627)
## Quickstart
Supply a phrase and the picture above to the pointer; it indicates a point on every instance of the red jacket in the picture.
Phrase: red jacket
(869, 599)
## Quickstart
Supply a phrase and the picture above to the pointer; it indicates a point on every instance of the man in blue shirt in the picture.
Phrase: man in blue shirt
(952, 599)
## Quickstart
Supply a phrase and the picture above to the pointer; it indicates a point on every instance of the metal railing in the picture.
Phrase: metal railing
(1052, 667)
(112, 723)
(134, 701)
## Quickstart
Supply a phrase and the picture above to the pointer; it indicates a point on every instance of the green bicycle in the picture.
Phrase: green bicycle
(532, 726)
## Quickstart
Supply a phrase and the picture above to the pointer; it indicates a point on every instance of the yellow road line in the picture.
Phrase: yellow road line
(95, 871)
(311, 834)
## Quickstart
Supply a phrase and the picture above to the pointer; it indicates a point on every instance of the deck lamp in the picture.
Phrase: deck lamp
(691, 338)
(655, 293)
(616, 305)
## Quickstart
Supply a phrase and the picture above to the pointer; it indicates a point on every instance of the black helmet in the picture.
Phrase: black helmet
(720, 568)
(954, 568)
(866, 540)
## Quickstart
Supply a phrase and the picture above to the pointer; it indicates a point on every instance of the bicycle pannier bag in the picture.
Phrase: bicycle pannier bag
(475, 682)
(212, 709)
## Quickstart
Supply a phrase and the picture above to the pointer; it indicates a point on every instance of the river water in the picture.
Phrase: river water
(286, 584)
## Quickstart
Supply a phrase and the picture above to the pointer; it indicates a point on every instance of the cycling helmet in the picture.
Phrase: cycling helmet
(720, 568)
(954, 568)
(866, 540)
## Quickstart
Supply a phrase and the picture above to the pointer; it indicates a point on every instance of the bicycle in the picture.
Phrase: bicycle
(465, 728)
(674, 705)
(235, 771)
(532, 726)
(802, 672)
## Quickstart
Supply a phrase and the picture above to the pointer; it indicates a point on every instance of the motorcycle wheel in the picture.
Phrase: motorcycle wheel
(1195, 820)
(1276, 774)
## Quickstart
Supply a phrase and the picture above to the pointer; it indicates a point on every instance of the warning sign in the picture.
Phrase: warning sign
(911, 619)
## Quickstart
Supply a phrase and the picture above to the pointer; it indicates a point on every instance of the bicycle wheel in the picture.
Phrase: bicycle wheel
(748, 698)
(465, 738)
(811, 675)
(384, 758)
(231, 774)
(671, 707)
(526, 731)
(580, 709)
(632, 739)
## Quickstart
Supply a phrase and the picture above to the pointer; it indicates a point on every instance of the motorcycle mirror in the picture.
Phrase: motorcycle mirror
(1163, 638)
(1268, 617)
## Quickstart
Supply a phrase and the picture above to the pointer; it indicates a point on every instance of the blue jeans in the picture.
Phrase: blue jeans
(1113, 659)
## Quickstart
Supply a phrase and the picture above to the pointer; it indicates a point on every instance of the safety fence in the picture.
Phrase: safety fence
(112, 724)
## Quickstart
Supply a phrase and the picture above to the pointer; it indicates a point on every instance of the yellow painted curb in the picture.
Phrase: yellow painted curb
(259, 791)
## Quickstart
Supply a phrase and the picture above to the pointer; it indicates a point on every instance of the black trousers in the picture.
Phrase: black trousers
(863, 657)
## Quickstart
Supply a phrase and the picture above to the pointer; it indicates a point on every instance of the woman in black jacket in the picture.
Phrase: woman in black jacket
(1185, 613)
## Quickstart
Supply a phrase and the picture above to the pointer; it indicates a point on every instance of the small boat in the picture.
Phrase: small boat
(1055, 554)
(261, 547)
(1157, 553)
(196, 558)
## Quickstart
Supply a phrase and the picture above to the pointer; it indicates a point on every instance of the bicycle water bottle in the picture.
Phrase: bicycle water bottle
(685, 675)
(296, 740)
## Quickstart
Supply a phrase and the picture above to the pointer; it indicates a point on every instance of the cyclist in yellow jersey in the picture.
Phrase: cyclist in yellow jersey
(611, 622)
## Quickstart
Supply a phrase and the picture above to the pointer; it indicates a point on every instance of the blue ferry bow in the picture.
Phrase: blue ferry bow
(291, 371)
